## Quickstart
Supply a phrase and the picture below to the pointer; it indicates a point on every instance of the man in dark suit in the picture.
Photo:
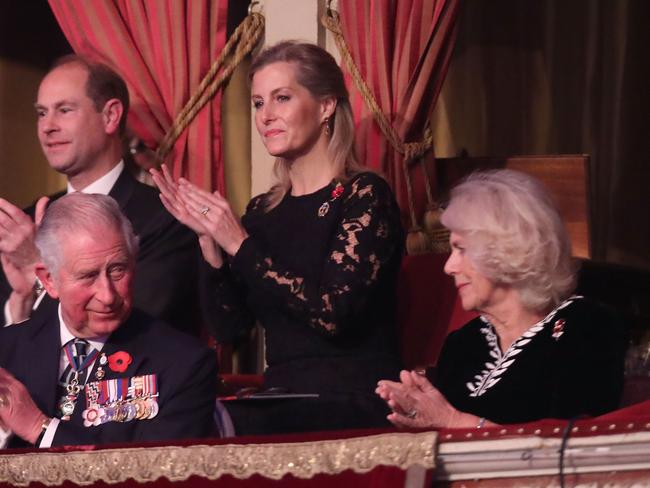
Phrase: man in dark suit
(89, 369)
(82, 108)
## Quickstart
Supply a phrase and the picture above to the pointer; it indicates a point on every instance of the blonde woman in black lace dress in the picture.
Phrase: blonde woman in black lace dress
(314, 260)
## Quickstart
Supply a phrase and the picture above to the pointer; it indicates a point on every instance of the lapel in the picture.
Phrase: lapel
(122, 340)
(43, 346)
(108, 350)
(123, 188)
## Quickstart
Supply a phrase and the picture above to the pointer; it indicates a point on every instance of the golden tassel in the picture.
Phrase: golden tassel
(438, 234)
(432, 217)
(439, 239)
(417, 241)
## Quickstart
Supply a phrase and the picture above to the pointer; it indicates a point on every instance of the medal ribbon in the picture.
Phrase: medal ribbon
(77, 363)
(150, 385)
(92, 393)
(122, 388)
(113, 391)
(74, 360)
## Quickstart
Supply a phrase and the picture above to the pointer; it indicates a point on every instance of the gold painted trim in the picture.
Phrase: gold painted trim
(298, 459)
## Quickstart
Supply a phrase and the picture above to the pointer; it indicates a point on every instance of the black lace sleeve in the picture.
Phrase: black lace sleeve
(224, 297)
(368, 240)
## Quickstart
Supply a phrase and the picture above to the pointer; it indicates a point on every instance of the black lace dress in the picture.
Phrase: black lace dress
(567, 365)
(318, 272)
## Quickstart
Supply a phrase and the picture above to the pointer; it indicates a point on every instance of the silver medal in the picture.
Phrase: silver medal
(129, 411)
(153, 406)
(67, 408)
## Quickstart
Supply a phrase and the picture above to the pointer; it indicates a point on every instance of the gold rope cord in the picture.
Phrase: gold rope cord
(299, 459)
(242, 42)
(410, 150)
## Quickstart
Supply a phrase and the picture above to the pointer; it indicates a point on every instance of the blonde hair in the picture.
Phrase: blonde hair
(317, 71)
(514, 235)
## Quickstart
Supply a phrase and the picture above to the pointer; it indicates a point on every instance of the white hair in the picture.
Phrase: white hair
(514, 235)
(77, 213)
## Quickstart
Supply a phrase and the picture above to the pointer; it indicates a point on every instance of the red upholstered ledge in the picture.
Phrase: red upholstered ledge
(615, 443)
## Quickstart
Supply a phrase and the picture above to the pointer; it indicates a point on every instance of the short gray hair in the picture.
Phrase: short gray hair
(514, 235)
(80, 212)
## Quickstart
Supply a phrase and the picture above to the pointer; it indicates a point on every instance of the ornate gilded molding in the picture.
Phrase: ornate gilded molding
(299, 459)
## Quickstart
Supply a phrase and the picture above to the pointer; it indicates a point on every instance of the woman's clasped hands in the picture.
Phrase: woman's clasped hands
(207, 214)
(416, 403)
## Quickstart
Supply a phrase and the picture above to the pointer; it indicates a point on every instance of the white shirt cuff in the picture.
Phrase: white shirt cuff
(4, 437)
(9, 320)
(48, 437)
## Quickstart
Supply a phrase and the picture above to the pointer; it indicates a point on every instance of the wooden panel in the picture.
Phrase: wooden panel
(565, 176)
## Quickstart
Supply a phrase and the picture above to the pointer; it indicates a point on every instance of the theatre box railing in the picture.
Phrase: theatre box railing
(612, 450)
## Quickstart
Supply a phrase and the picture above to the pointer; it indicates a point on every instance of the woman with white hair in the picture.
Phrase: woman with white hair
(536, 351)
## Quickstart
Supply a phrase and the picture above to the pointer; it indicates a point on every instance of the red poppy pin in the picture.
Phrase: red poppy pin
(118, 362)
(558, 329)
(337, 191)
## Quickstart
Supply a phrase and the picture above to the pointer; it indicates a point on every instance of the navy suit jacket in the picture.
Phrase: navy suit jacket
(167, 271)
(186, 374)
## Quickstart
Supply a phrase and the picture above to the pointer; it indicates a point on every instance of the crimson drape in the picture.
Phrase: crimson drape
(162, 49)
(402, 50)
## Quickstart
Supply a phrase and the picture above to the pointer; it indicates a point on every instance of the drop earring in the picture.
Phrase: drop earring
(327, 126)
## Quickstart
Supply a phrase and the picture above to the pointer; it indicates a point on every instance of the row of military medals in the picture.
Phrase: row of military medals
(121, 400)
(110, 400)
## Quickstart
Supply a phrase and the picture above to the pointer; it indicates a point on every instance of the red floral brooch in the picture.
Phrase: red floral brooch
(558, 329)
(336, 192)
(119, 361)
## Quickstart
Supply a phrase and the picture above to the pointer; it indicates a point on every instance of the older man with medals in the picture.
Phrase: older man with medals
(90, 369)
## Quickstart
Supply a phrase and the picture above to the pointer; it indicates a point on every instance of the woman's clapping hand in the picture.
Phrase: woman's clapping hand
(416, 403)
(207, 214)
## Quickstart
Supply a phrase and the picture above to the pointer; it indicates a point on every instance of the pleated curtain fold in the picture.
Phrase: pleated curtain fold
(402, 49)
(162, 49)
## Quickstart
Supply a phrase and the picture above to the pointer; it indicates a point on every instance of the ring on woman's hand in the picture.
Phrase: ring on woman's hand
(205, 210)
(411, 414)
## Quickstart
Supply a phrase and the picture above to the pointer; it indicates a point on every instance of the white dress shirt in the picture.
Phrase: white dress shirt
(67, 336)
(103, 185)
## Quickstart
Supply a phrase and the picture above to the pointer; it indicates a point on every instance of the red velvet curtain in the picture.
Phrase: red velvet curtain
(402, 49)
(162, 49)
